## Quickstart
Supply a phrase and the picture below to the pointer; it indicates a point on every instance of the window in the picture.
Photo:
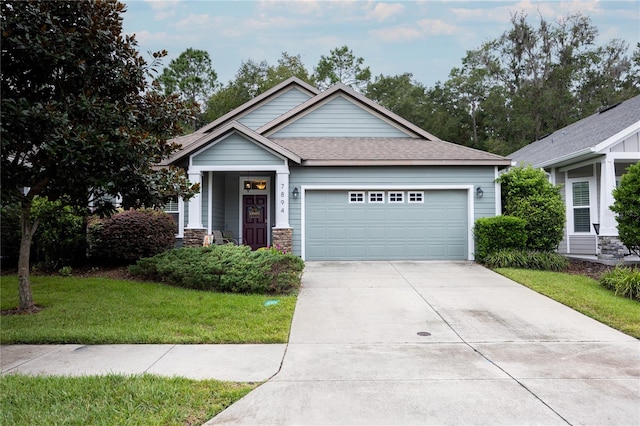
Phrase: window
(172, 209)
(416, 197)
(376, 197)
(581, 207)
(356, 197)
(396, 197)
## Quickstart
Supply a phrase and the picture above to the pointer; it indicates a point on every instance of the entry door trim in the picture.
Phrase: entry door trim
(468, 188)
(242, 191)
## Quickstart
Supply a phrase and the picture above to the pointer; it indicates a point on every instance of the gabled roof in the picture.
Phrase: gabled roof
(582, 139)
(210, 138)
(263, 97)
(419, 147)
(345, 90)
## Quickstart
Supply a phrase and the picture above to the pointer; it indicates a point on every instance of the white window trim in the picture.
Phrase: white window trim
(593, 218)
(357, 194)
(375, 194)
(398, 195)
(410, 193)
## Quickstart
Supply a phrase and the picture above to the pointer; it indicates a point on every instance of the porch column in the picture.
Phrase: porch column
(282, 233)
(194, 232)
(282, 199)
(608, 224)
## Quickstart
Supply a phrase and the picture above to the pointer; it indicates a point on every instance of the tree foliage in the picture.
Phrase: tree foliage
(191, 76)
(252, 79)
(342, 66)
(528, 194)
(78, 122)
(627, 208)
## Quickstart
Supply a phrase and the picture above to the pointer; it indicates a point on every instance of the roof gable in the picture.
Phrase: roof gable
(409, 129)
(590, 136)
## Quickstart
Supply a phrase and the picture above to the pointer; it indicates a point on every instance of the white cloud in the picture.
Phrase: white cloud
(397, 34)
(384, 11)
(163, 9)
(437, 27)
(550, 11)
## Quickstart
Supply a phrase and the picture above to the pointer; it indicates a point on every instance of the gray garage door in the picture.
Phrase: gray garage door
(386, 225)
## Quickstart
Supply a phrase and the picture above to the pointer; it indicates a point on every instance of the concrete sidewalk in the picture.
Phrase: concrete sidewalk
(441, 343)
(238, 363)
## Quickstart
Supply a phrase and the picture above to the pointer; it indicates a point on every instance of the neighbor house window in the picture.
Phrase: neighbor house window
(376, 197)
(581, 207)
(396, 197)
(356, 197)
(416, 197)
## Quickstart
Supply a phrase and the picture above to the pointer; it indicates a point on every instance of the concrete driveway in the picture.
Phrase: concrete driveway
(441, 343)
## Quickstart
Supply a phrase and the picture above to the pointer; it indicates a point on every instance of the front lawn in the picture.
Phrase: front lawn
(108, 311)
(583, 294)
(114, 399)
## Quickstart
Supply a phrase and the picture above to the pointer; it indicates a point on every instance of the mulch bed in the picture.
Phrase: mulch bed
(590, 269)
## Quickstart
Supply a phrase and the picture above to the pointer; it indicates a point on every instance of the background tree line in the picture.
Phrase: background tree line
(510, 91)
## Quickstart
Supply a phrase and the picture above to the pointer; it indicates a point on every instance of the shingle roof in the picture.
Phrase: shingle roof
(581, 135)
(414, 151)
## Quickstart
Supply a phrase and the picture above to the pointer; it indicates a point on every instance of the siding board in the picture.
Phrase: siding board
(236, 150)
(274, 108)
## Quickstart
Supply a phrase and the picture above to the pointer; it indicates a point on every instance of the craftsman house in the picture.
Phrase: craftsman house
(333, 176)
(588, 158)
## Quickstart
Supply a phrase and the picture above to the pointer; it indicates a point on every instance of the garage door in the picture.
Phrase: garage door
(386, 225)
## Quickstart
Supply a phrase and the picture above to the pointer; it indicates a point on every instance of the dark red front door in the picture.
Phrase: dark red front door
(254, 221)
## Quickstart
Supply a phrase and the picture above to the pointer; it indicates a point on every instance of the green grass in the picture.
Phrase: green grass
(583, 294)
(113, 399)
(102, 311)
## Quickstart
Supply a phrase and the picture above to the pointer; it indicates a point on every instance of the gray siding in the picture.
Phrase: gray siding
(583, 244)
(204, 193)
(231, 200)
(340, 118)
(387, 176)
(630, 144)
(274, 108)
(236, 150)
(582, 172)
(218, 198)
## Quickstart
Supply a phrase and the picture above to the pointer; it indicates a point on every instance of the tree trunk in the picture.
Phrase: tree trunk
(24, 281)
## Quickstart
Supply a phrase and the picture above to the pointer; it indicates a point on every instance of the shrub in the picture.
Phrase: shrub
(528, 194)
(61, 236)
(499, 232)
(624, 281)
(224, 268)
(131, 235)
(627, 207)
(526, 259)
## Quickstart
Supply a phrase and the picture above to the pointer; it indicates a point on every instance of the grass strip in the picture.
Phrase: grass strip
(114, 399)
(107, 311)
(583, 294)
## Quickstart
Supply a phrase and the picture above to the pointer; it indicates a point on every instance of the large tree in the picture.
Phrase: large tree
(342, 66)
(535, 79)
(77, 120)
(191, 76)
(252, 79)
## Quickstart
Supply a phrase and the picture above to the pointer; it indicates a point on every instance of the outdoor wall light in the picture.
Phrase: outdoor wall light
(295, 193)
(479, 192)
(596, 227)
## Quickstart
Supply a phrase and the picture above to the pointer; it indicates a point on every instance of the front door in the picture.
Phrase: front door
(254, 221)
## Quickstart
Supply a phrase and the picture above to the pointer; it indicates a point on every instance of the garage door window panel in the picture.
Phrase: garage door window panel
(396, 197)
(356, 197)
(376, 197)
(416, 197)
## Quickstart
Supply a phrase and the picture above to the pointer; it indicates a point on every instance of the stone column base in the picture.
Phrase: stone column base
(283, 239)
(611, 248)
(193, 237)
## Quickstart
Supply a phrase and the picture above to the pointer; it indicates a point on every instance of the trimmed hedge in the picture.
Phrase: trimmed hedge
(624, 281)
(131, 235)
(499, 232)
(526, 259)
(224, 268)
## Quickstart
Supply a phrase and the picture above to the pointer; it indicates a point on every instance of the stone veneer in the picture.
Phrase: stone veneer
(283, 239)
(611, 248)
(193, 237)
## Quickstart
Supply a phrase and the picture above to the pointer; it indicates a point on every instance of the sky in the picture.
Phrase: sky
(425, 38)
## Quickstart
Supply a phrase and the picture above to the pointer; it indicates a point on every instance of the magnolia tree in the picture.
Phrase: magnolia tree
(79, 122)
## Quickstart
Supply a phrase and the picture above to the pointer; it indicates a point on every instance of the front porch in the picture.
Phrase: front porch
(252, 204)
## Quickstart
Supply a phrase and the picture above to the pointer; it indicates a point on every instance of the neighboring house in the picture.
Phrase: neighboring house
(588, 158)
(334, 176)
